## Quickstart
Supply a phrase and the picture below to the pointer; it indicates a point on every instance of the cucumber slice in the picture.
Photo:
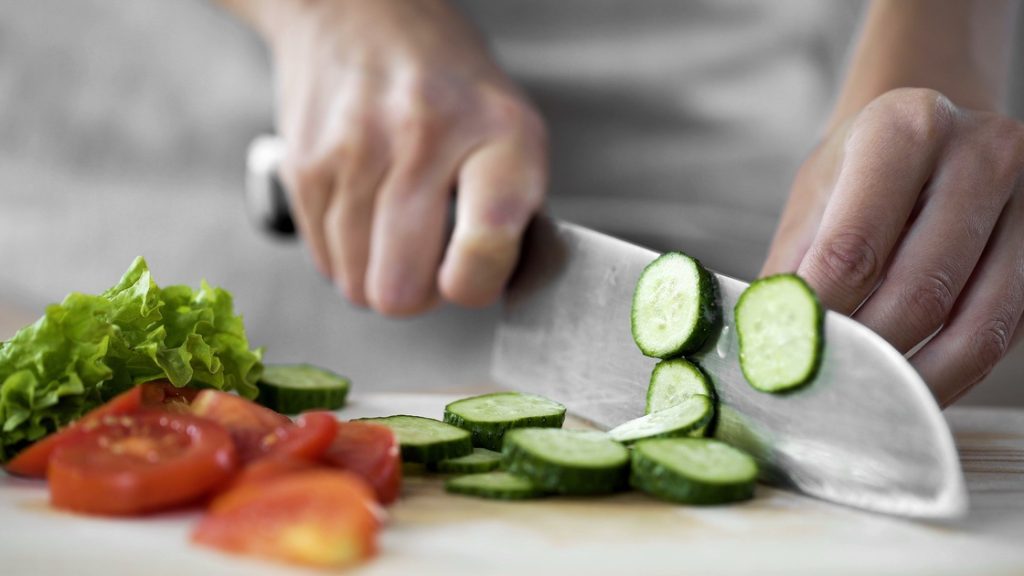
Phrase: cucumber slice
(672, 381)
(480, 460)
(294, 388)
(779, 323)
(675, 306)
(575, 462)
(692, 470)
(692, 413)
(489, 416)
(494, 485)
(426, 440)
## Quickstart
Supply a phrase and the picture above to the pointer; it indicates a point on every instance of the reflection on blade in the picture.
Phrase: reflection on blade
(865, 433)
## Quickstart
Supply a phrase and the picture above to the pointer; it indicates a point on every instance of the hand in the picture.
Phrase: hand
(910, 218)
(386, 107)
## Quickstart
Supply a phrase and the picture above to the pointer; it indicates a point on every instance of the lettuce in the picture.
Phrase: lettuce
(87, 349)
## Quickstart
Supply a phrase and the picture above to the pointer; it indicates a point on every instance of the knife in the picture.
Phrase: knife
(866, 432)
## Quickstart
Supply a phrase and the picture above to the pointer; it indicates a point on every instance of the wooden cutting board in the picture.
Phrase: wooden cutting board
(430, 532)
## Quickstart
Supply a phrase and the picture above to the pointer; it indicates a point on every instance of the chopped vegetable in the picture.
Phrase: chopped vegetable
(673, 381)
(489, 416)
(87, 349)
(675, 306)
(684, 418)
(693, 470)
(263, 470)
(259, 432)
(494, 485)
(371, 452)
(248, 423)
(140, 463)
(481, 460)
(294, 388)
(309, 437)
(779, 323)
(319, 518)
(425, 440)
(32, 462)
(567, 461)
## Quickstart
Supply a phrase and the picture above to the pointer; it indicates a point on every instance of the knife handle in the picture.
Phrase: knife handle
(266, 199)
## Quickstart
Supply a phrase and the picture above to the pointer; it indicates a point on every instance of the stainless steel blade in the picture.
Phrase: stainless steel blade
(865, 433)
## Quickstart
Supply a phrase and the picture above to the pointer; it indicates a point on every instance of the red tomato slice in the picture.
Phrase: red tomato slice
(247, 422)
(139, 463)
(371, 452)
(271, 468)
(161, 393)
(32, 461)
(308, 438)
(323, 518)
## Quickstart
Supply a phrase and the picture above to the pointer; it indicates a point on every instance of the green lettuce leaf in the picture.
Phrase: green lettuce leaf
(87, 349)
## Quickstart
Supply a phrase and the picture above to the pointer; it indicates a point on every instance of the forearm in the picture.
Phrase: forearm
(960, 48)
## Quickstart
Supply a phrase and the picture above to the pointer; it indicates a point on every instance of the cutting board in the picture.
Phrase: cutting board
(430, 532)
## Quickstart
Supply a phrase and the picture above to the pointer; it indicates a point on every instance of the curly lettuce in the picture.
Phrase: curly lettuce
(88, 348)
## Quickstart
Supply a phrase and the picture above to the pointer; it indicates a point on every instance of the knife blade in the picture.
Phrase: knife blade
(865, 433)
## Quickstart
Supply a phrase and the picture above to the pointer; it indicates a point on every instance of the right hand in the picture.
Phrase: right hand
(386, 107)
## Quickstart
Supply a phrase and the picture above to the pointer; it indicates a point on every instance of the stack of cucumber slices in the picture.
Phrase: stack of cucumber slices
(539, 458)
(511, 445)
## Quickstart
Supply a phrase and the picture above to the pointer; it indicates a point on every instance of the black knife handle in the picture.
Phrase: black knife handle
(265, 197)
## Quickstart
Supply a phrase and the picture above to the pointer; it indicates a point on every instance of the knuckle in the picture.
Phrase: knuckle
(334, 220)
(848, 260)
(433, 92)
(505, 215)
(416, 122)
(929, 299)
(990, 343)
(302, 177)
(512, 113)
(422, 105)
(921, 114)
(346, 151)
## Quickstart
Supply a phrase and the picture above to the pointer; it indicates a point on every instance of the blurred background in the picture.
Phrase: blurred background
(124, 127)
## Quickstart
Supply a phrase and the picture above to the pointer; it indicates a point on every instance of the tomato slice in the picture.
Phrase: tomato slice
(248, 423)
(270, 468)
(163, 394)
(140, 463)
(371, 452)
(322, 518)
(32, 461)
(308, 438)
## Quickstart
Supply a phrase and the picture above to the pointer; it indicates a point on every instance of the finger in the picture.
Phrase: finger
(361, 164)
(500, 187)
(889, 156)
(936, 256)
(980, 329)
(307, 179)
(797, 226)
(808, 199)
(409, 224)
(309, 189)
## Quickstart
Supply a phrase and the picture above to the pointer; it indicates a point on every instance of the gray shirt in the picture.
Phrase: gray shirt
(677, 124)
